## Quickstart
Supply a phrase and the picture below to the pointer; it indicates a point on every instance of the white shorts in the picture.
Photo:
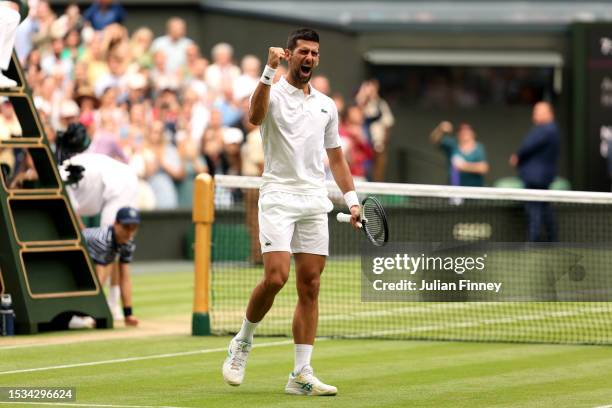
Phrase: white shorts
(295, 223)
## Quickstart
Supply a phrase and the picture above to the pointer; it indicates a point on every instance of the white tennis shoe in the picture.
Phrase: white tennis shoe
(305, 383)
(235, 363)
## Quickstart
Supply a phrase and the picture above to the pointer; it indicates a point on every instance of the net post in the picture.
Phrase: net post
(203, 217)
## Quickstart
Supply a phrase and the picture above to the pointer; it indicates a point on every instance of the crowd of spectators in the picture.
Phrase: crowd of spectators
(160, 104)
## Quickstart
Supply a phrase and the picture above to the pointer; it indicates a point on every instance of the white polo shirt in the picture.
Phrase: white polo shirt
(104, 180)
(296, 131)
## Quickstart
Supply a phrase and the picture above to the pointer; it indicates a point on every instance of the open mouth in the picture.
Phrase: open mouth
(305, 69)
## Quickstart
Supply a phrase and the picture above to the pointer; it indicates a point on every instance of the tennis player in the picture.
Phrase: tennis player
(298, 124)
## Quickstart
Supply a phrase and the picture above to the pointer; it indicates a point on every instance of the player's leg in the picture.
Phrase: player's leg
(276, 230)
(9, 20)
(276, 272)
(310, 246)
(308, 269)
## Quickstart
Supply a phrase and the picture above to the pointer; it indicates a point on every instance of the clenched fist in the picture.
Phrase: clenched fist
(275, 55)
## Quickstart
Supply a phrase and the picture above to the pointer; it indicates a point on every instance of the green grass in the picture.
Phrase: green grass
(367, 372)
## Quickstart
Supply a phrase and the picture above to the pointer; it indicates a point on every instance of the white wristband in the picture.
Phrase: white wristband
(351, 199)
(268, 75)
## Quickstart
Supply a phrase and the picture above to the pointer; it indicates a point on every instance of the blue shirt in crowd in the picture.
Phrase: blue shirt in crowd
(538, 156)
(101, 17)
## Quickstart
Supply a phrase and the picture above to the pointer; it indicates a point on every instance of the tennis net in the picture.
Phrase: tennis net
(578, 266)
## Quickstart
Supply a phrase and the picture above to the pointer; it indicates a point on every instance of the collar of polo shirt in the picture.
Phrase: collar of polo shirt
(292, 89)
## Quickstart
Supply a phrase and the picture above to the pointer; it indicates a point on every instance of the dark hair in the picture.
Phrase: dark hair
(71, 141)
(307, 34)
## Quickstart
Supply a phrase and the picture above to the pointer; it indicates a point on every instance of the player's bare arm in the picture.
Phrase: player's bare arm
(261, 96)
(342, 174)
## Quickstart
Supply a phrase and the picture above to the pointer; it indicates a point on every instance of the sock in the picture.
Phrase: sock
(114, 293)
(127, 311)
(246, 331)
(303, 352)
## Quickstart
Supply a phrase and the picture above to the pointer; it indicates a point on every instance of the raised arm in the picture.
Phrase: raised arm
(439, 131)
(261, 97)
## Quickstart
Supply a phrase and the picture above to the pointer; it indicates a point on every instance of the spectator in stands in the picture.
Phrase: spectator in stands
(222, 72)
(45, 19)
(174, 45)
(321, 84)
(246, 83)
(69, 113)
(167, 110)
(95, 58)
(53, 59)
(116, 76)
(88, 104)
(194, 116)
(537, 160)
(73, 49)
(192, 54)
(105, 139)
(197, 79)
(230, 107)
(140, 46)
(133, 132)
(48, 98)
(221, 146)
(71, 20)
(467, 160)
(193, 163)
(25, 33)
(9, 128)
(356, 147)
(161, 78)
(107, 243)
(104, 13)
(137, 88)
(9, 124)
(379, 121)
(163, 166)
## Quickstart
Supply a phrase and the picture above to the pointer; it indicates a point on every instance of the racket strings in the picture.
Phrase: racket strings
(374, 225)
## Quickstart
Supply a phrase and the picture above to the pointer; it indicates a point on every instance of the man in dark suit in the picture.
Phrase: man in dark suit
(537, 162)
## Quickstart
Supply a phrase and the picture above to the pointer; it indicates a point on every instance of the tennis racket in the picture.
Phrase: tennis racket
(373, 221)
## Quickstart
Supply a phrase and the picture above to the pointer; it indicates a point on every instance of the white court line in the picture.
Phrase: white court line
(130, 359)
(68, 404)
(477, 323)
(605, 406)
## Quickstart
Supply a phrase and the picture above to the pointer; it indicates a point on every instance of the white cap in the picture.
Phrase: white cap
(137, 81)
(232, 135)
(69, 108)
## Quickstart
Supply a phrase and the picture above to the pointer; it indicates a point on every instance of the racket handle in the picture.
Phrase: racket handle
(341, 217)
